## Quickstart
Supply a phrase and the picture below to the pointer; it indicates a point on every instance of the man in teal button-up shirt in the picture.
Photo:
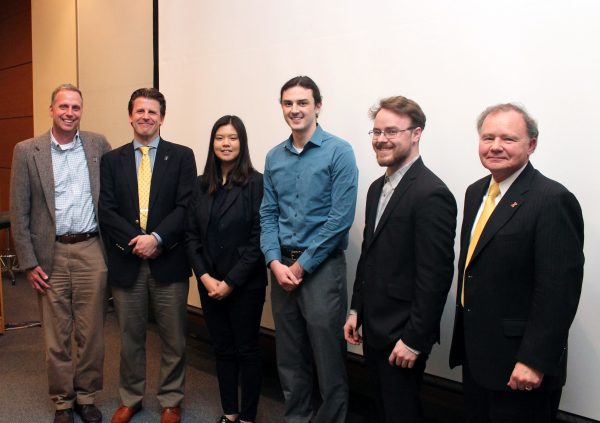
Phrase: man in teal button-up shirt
(308, 207)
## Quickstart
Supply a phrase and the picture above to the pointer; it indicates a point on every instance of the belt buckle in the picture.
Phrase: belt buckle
(295, 254)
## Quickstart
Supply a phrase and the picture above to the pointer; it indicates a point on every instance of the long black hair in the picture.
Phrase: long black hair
(242, 169)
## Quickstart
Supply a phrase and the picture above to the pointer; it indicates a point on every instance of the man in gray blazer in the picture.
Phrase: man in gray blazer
(55, 185)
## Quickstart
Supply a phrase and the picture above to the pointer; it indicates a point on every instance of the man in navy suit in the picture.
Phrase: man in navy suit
(145, 188)
(519, 280)
(406, 263)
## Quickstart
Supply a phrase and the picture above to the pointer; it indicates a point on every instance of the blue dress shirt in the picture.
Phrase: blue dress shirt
(309, 198)
(74, 211)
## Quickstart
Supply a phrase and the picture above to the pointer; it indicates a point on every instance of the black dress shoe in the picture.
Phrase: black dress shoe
(89, 413)
(224, 419)
(64, 416)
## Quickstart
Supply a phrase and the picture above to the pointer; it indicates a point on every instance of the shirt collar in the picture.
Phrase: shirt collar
(317, 139)
(395, 177)
(505, 184)
(75, 143)
(152, 144)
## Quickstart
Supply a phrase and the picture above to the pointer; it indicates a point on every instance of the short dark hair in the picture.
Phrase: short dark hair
(242, 169)
(64, 87)
(530, 123)
(304, 82)
(151, 93)
(401, 106)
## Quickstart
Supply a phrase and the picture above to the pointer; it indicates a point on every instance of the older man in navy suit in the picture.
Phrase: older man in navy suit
(519, 280)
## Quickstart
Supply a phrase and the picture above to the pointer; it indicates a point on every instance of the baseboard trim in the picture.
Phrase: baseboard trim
(442, 398)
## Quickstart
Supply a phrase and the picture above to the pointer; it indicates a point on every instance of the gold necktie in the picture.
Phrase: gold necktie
(488, 208)
(144, 179)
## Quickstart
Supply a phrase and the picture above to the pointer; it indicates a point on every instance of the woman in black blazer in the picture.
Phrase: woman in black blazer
(223, 246)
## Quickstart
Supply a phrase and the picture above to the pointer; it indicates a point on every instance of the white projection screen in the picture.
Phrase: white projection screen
(453, 58)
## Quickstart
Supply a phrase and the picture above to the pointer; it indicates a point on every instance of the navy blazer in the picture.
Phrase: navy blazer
(406, 264)
(523, 282)
(238, 234)
(172, 183)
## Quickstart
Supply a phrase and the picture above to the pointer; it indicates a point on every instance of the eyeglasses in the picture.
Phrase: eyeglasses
(388, 133)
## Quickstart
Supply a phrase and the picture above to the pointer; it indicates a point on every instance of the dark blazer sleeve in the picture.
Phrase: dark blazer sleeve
(116, 229)
(250, 253)
(170, 228)
(434, 231)
(359, 281)
(558, 269)
(193, 232)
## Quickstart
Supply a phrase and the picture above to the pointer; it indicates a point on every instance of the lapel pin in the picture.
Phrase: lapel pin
(515, 204)
(166, 157)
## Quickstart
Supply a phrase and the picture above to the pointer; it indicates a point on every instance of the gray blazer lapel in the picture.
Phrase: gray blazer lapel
(43, 162)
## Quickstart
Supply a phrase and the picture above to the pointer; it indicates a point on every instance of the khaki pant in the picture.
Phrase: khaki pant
(74, 308)
(169, 303)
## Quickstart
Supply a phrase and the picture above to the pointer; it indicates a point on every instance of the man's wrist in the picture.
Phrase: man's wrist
(412, 350)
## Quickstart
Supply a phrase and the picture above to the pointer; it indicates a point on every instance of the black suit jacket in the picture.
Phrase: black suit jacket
(172, 183)
(523, 282)
(406, 265)
(239, 235)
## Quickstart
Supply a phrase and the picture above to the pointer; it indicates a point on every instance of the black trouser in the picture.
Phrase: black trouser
(487, 406)
(234, 326)
(397, 389)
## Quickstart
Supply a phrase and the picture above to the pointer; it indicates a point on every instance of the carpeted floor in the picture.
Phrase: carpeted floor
(23, 383)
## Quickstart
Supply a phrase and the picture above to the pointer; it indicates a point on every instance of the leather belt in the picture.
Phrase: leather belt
(75, 238)
(291, 253)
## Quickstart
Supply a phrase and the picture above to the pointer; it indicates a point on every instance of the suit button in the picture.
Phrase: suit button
(468, 310)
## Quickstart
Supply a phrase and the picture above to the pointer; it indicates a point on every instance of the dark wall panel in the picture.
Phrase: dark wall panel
(11, 132)
(15, 32)
(16, 86)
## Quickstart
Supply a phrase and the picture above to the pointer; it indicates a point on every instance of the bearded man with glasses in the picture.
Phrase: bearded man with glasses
(406, 264)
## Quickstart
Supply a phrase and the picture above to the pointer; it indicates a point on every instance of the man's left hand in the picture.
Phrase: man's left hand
(525, 378)
(146, 246)
(402, 356)
(297, 270)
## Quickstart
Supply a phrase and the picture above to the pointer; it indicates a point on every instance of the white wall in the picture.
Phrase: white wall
(453, 58)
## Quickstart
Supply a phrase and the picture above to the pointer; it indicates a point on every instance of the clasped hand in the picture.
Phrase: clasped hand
(288, 277)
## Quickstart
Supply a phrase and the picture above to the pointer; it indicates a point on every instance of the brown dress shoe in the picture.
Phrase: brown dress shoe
(124, 414)
(64, 416)
(171, 415)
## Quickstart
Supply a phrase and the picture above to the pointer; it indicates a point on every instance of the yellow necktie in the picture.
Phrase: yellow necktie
(488, 208)
(144, 179)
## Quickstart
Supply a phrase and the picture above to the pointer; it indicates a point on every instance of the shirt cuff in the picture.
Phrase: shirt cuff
(412, 350)
(272, 255)
(352, 312)
(158, 238)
